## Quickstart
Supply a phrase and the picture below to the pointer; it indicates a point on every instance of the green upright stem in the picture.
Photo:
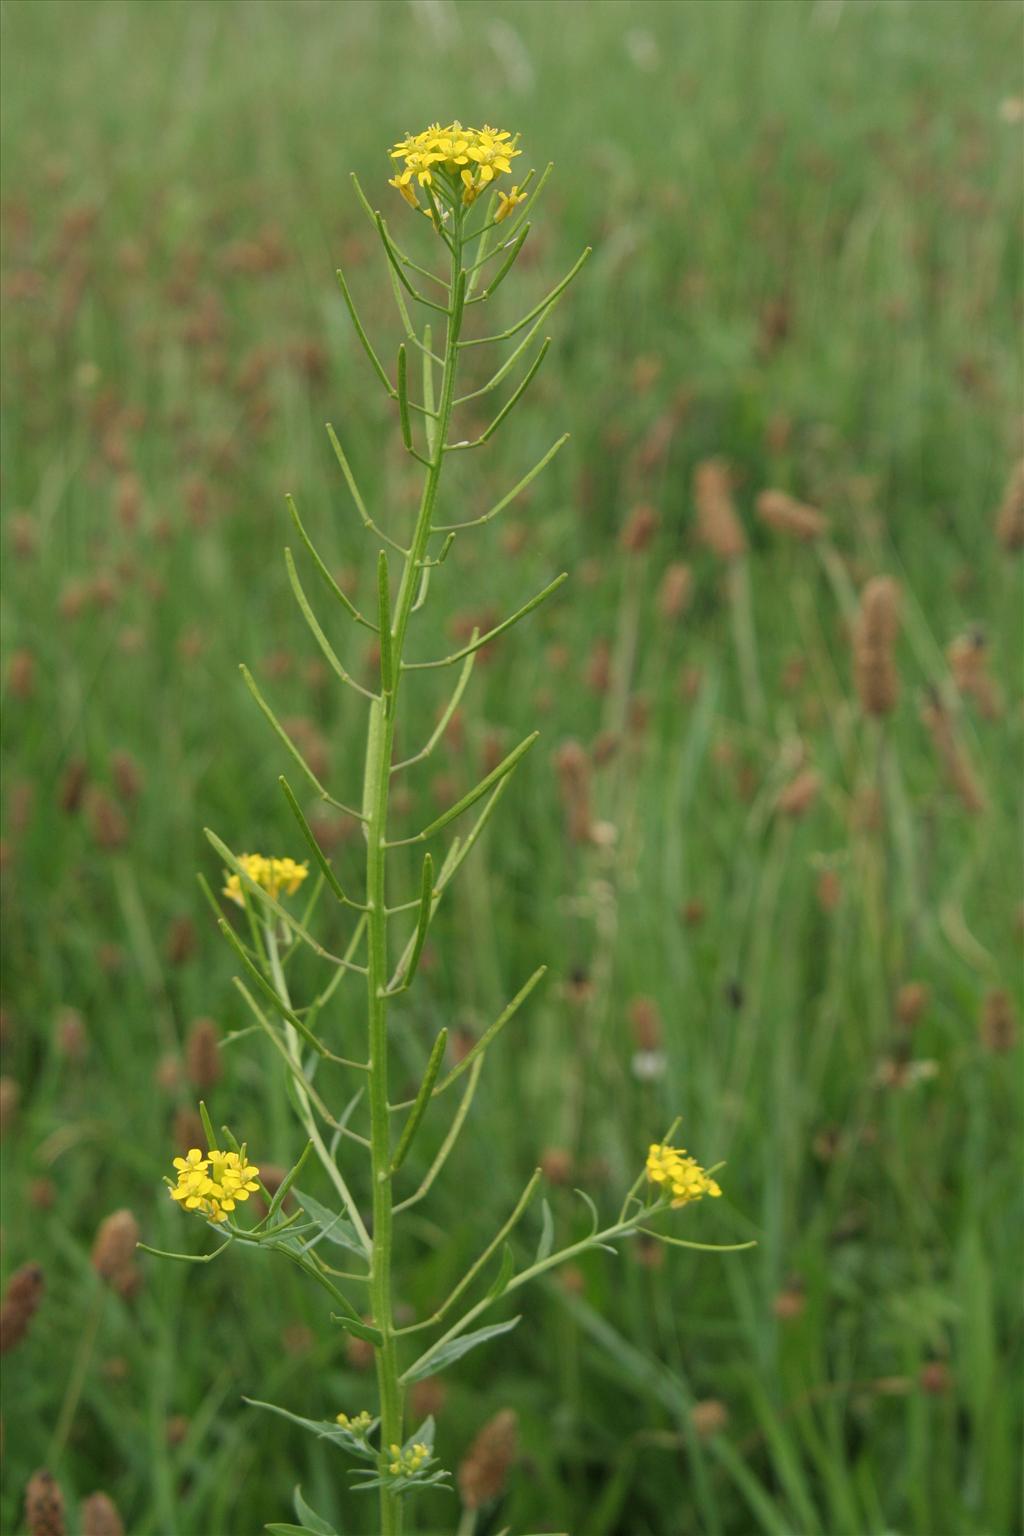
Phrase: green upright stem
(379, 747)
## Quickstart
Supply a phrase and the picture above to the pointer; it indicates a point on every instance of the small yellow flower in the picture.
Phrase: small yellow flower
(213, 1184)
(276, 876)
(508, 202)
(407, 191)
(679, 1174)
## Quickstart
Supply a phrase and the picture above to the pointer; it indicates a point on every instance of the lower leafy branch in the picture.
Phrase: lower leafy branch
(211, 1185)
(399, 1468)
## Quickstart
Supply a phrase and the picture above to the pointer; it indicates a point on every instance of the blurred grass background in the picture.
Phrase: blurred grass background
(807, 222)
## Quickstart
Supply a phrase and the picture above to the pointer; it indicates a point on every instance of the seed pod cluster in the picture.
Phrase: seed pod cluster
(968, 657)
(1010, 518)
(573, 767)
(483, 1471)
(998, 1024)
(202, 1054)
(44, 1505)
(100, 1516)
(796, 798)
(675, 590)
(113, 1252)
(21, 1302)
(787, 515)
(953, 755)
(874, 642)
(718, 525)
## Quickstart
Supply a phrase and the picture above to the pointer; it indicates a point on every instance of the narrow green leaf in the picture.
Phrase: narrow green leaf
(546, 303)
(500, 275)
(459, 298)
(422, 923)
(361, 333)
(403, 396)
(309, 1517)
(184, 1258)
(591, 1207)
(436, 1359)
(547, 1234)
(492, 1030)
(430, 421)
(270, 903)
(281, 733)
(445, 720)
(422, 1436)
(492, 634)
(204, 1116)
(213, 903)
(396, 264)
(518, 392)
(324, 1429)
(287, 1182)
(350, 480)
(321, 639)
(421, 1101)
(361, 1330)
(682, 1242)
(387, 666)
(332, 586)
(504, 1275)
(333, 1226)
(312, 844)
(504, 767)
(506, 367)
(527, 208)
(268, 991)
(474, 522)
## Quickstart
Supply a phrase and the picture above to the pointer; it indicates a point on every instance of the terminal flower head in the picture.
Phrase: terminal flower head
(678, 1174)
(213, 1184)
(452, 163)
(276, 876)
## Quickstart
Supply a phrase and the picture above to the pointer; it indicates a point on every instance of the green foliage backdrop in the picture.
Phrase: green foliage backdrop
(806, 221)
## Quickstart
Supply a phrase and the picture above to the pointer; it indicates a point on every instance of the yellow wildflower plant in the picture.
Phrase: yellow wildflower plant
(443, 171)
(275, 876)
(453, 162)
(678, 1174)
(213, 1184)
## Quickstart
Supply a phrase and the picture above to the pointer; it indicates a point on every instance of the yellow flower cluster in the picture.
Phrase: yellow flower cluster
(403, 1463)
(215, 1183)
(274, 875)
(358, 1426)
(454, 160)
(679, 1174)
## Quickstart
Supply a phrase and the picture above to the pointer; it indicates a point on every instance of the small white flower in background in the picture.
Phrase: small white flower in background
(642, 48)
(648, 1066)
